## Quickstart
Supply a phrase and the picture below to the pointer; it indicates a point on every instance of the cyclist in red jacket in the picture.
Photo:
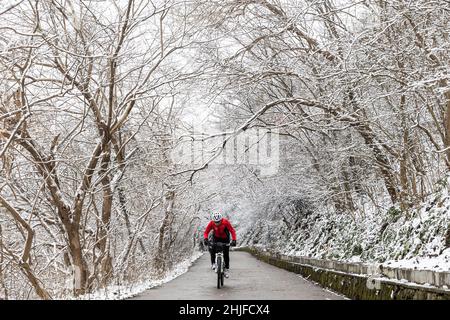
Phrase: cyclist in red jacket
(222, 229)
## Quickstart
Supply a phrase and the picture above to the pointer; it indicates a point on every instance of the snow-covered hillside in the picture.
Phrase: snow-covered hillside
(417, 239)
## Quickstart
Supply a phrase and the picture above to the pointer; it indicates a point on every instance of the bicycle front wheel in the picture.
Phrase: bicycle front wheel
(219, 272)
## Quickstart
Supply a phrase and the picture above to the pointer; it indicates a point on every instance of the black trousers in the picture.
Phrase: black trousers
(226, 253)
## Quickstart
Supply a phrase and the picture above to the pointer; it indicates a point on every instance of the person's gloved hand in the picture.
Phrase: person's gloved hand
(233, 243)
(206, 242)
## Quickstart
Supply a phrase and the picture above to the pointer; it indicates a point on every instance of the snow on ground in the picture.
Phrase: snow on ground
(427, 246)
(440, 263)
(123, 292)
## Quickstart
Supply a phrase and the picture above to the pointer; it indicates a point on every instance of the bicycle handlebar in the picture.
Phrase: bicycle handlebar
(218, 244)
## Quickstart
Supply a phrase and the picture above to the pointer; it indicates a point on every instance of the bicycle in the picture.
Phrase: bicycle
(220, 262)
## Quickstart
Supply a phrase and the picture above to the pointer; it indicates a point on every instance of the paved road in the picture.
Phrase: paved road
(249, 279)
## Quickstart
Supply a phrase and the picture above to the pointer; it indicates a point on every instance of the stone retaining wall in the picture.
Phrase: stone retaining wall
(359, 281)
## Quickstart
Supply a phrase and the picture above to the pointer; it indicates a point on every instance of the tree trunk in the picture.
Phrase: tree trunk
(366, 132)
(80, 269)
(447, 122)
(164, 229)
(104, 228)
(385, 168)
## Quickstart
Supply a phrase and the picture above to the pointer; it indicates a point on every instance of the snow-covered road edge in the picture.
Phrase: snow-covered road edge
(124, 292)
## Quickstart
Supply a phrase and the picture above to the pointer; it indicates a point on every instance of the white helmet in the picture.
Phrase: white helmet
(216, 217)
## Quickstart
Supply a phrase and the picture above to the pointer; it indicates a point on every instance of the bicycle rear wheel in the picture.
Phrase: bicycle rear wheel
(219, 272)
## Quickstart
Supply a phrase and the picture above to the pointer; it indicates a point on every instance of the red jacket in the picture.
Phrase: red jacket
(220, 230)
